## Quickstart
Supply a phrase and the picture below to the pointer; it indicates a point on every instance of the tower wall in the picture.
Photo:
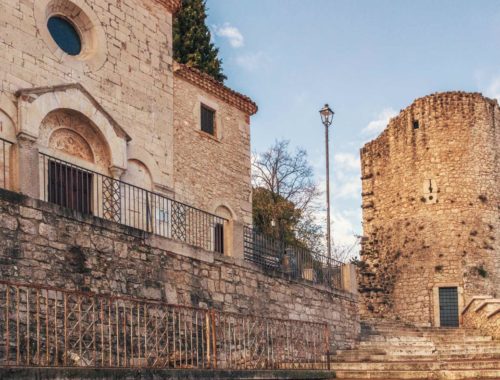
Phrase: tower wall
(431, 207)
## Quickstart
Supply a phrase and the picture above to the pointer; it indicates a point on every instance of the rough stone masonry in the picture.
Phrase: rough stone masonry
(45, 244)
(431, 207)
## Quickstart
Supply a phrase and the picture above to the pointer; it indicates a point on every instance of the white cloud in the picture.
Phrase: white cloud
(376, 126)
(252, 61)
(344, 233)
(347, 161)
(493, 89)
(349, 188)
(231, 33)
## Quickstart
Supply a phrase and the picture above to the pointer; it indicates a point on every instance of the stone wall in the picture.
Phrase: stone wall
(44, 244)
(431, 201)
(211, 171)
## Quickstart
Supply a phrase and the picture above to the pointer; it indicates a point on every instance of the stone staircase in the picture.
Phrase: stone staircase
(393, 350)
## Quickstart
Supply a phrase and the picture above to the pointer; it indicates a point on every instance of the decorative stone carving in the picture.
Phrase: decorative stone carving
(72, 143)
(72, 133)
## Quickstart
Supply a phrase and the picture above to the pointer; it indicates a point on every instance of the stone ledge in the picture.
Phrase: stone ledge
(157, 374)
(472, 300)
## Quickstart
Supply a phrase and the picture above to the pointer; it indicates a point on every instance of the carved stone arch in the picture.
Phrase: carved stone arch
(72, 143)
(72, 133)
(138, 153)
(35, 104)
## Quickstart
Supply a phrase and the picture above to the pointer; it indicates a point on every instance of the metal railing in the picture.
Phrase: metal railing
(49, 327)
(293, 262)
(93, 193)
(5, 147)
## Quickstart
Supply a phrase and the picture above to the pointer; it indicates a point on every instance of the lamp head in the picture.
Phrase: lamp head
(326, 115)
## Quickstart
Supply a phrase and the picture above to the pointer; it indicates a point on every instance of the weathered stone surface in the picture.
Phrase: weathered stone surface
(118, 263)
(431, 207)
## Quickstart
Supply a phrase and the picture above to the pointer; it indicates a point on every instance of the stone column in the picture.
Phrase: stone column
(237, 243)
(25, 166)
(349, 282)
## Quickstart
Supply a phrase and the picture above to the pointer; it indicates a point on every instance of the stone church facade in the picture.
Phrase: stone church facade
(431, 210)
(121, 106)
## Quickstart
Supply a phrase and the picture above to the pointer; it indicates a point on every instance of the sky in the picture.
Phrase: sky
(367, 59)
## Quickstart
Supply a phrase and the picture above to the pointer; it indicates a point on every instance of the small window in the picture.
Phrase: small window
(415, 124)
(207, 120)
(65, 35)
(219, 238)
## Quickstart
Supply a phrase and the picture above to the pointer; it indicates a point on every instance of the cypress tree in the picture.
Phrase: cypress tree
(192, 45)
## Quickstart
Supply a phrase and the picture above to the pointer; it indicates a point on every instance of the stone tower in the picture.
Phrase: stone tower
(431, 208)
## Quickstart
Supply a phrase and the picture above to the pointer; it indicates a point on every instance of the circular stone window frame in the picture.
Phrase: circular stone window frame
(93, 38)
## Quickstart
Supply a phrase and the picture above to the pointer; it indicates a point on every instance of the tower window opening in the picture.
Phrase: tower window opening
(415, 124)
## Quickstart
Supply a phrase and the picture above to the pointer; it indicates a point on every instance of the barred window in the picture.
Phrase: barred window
(207, 120)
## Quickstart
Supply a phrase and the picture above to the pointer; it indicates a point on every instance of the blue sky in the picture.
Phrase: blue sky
(367, 59)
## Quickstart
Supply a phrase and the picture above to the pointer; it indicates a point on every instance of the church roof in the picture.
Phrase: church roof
(209, 84)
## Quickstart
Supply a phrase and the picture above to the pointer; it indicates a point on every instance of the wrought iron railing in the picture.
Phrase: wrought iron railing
(5, 148)
(49, 327)
(93, 193)
(293, 262)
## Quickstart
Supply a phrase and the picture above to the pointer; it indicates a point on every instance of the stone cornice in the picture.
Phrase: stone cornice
(25, 94)
(209, 84)
(172, 5)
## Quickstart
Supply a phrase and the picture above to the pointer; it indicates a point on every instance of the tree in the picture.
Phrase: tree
(284, 195)
(192, 45)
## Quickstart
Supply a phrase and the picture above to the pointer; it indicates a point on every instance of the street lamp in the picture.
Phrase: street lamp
(326, 118)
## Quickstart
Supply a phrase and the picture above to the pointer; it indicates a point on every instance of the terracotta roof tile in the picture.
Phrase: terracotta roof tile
(172, 5)
(209, 84)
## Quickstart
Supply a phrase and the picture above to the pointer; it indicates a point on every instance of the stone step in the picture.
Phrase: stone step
(429, 375)
(442, 357)
(415, 333)
(417, 365)
(373, 356)
(441, 347)
(397, 342)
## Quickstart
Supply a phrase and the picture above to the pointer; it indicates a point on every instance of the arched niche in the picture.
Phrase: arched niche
(224, 212)
(8, 116)
(7, 127)
(225, 229)
(138, 174)
(7, 139)
(141, 155)
(73, 134)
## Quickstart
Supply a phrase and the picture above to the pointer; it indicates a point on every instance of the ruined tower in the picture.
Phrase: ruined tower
(431, 209)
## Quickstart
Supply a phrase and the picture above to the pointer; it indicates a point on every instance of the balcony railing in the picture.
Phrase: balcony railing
(293, 262)
(93, 193)
(49, 327)
(5, 147)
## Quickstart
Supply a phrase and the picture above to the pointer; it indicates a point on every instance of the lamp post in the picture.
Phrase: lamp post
(326, 118)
